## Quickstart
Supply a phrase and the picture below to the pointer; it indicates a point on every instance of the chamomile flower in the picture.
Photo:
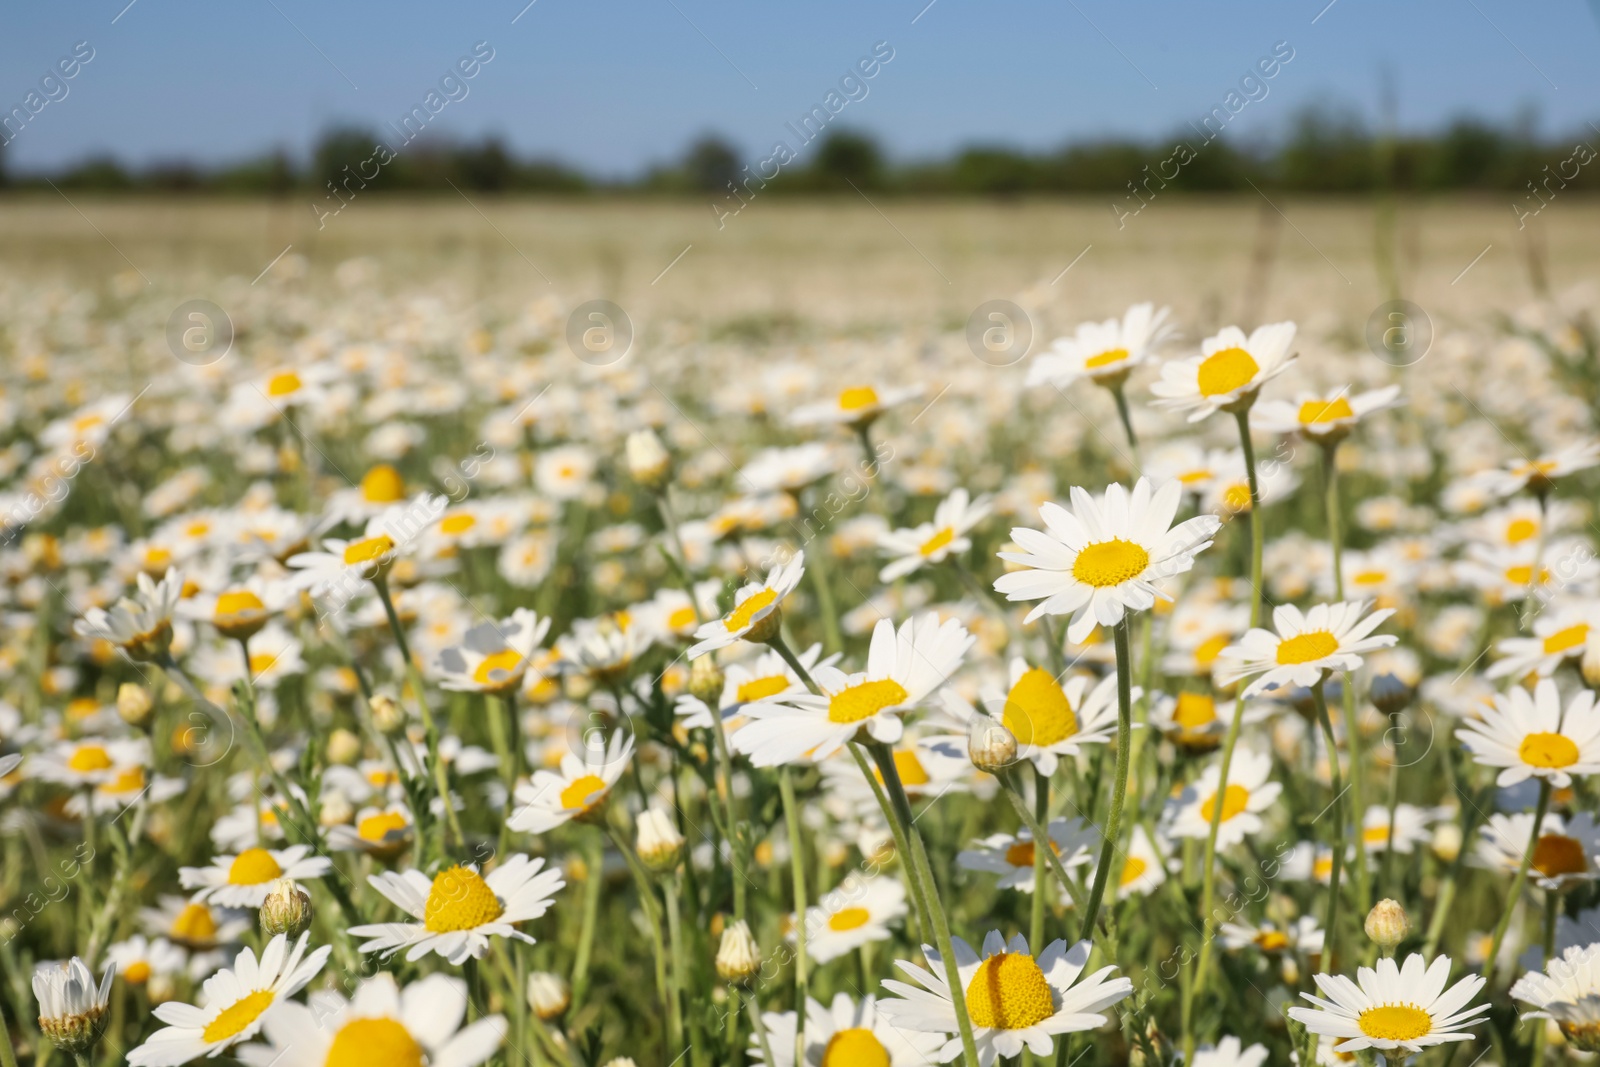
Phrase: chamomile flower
(1302, 935)
(745, 685)
(1230, 1052)
(1569, 992)
(1012, 855)
(1229, 371)
(1538, 476)
(1329, 637)
(1104, 352)
(857, 912)
(89, 762)
(381, 1026)
(380, 832)
(193, 925)
(140, 625)
(1050, 719)
(1102, 558)
(493, 656)
(757, 610)
(1014, 1000)
(1404, 1007)
(933, 542)
(1563, 853)
(1412, 827)
(1190, 718)
(576, 791)
(458, 910)
(242, 881)
(138, 959)
(72, 1008)
(1558, 636)
(904, 668)
(844, 1034)
(854, 405)
(340, 568)
(1249, 792)
(789, 470)
(1323, 417)
(1530, 736)
(234, 1002)
(1143, 868)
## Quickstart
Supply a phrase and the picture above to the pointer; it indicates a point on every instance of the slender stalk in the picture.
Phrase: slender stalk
(593, 864)
(1043, 847)
(797, 868)
(1257, 524)
(1119, 788)
(1127, 420)
(8, 1055)
(652, 914)
(680, 977)
(758, 1026)
(902, 848)
(1517, 883)
(735, 846)
(1330, 931)
(1352, 726)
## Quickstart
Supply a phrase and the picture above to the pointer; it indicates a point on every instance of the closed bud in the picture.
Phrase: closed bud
(548, 995)
(990, 745)
(1590, 664)
(134, 703)
(738, 956)
(658, 843)
(1389, 694)
(72, 1006)
(287, 910)
(706, 681)
(336, 809)
(1387, 924)
(343, 746)
(1446, 842)
(387, 714)
(648, 461)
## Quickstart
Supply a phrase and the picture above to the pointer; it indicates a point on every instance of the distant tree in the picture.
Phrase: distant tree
(338, 148)
(710, 164)
(847, 158)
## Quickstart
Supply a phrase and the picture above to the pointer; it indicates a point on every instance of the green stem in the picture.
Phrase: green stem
(902, 848)
(1119, 789)
(1517, 883)
(593, 864)
(735, 845)
(1257, 533)
(8, 1055)
(680, 977)
(652, 914)
(1127, 420)
(797, 867)
(1043, 847)
(1330, 930)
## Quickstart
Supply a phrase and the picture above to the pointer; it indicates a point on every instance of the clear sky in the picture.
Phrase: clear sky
(613, 85)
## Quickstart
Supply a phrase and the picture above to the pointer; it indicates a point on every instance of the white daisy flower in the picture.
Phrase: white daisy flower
(1102, 558)
(1413, 826)
(1539, 475)
(564, 472)
(382, 1026)
(72, 1008)
(139, 958)
(89, 761)
(855, 405)
(576, 791)
(381, 832)
(745, 685)
(458, 910)
(234, 1002)
(1013, 1000)
(1049, 719)
(1104, 352)
(1329, 637)
(240, 611)
(341, 567)
(196, 926)
(789, 470)
(1302, 935)
(933, 542)
(493, 656)
(1393, 1007)
(140, 625)
(1531, 737)
(1190, 718)
(1229, 371)
(854, 913)
(1563, 854)
(1230, 1052)
(757, 609)
(1012, 855)
(1248, 794)
(242, 881)
(1143, 868)
(904, 668)
(846, 1033)
(1557, 637)
(1322, 417)
(1569, 992)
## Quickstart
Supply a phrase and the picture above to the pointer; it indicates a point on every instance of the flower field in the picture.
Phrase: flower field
(599, 634)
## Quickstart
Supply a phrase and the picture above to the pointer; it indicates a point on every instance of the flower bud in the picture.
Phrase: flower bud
(72, 1009)
(766, 629)
(387, 715)
(706, 681)
(738, 956)
(648, 460)
(1389, 694)
(1590, 663)
(621, 1061)
(343, 746)
(658, 843)
(134, 703)
(1446, 842)
(990, 745)
(1386, 923)
(336, 809)
(548, 995)
(287, 910)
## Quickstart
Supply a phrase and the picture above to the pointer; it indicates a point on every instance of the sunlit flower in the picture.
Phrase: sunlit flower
(1104, 352)
(242, 881)
(845, 1034)
(757, 610)
(935, 541)
(1322, 416)
(1530, 736)
(140, 625)
(1402, 1007)
(1229, 371)
(1249, 793)
(493, 656)
(1012, 855)
(1563, 852)
(576, 791)
(853, 914)
(1329, 637)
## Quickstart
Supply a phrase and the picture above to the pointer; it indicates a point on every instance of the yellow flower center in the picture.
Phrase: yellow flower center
(681, 619)
(1235, 799)
(382, 485)
(368, 549)
(1194, 712)
(1225, 370)
(858, 397)
(1022, 854)
(864, 700)
(459, 523)
(1558, 854)
(87, 759)
(253, 866)
(1191, 477)
(1520, 530)
(1133, 870)
(1009, 992)
(379, 826)
(1106, 358)
(374, 1043)
(194, 925)
(1037, 711)
(261, 662)
(1236, 497)
(1369, 578)
(1564, 640)
(1315, 411)
(1306, 647)
(1110, 563)
(1376, 835)
(1272, 940)
(238, 1015)
(761, 688)
(908, 767)
(240, 602)
(460, 900)
(582, 792)
(284, 383)
(855, 1047)
(1523, 574)
(1552, 751)
(740, 617)
(137, 972)
(848, 919)
(128, 780)
(1210, 649)
(1395, 1022)
(937, 541)
(500, 668)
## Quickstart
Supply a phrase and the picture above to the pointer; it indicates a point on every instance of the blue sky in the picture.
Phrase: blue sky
(612, 85)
